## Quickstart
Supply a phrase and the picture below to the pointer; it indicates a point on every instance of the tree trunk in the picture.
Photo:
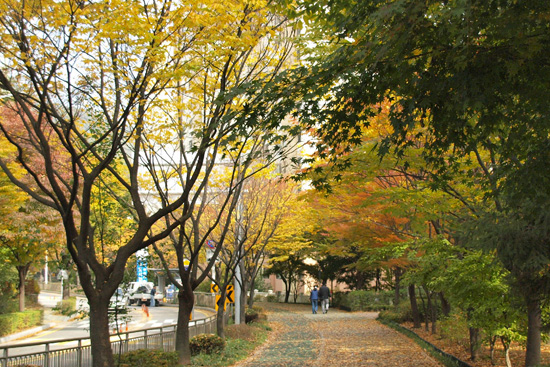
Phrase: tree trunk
(220, 325)
(506, 345)
(186, 300)
(397, 296)
(475, 342)
(251, 297)
(102, 355)
(532, 353)
(66, 289)
(431, 312)
(492, 342)
(22, 272)
(414, 307)
(445, 305)
(360, 280)
(426, 313)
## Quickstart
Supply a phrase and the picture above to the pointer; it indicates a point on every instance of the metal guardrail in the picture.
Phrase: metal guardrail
(77, 352)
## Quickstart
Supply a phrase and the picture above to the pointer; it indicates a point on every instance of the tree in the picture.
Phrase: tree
(219, 104)
(27, 229)
(27, 233)
(474, 77)
(290, 247)
(93, 85)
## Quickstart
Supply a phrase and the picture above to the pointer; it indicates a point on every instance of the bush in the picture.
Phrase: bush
(66, 307)
(148, 357)
(8, 305)
(251, 315)
(17, 321)
(272, 298)
(399, 314)
(455, 328)
(206, 343)
(364, 300)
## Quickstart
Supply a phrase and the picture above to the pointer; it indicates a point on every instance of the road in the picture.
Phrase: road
(138, 319)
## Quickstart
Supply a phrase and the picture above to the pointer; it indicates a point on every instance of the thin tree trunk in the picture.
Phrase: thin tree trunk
(414, 306)
(102, 355)
(532, 353)
(360, 280)
(445, 305)
(397, 296)
(220, 325)
(426, 312)
(251, 297)
(186, 300)
(431, 313)
(492, 342)
(22, 272)
(475, 342)
(506, 345)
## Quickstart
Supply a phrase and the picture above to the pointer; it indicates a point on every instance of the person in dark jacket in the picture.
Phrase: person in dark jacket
(314, 298)
(324, 296)
(153, 292)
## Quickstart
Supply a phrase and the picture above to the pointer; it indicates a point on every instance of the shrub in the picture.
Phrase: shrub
(272, 298)
(259, 298)
(16, 321)
(206, 343)
(148, 357)
(251, 315)
(455, 328)
(66, 307)
(8, 305)
(365, 300)
(391, 315)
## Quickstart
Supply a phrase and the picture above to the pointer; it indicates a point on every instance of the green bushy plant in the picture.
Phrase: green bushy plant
(251, 315)
(455, 328)
(365, 300)
(401, 313)
(148, 357)
(13, 322)
(206, 343)
(271, 298)
(66, 307)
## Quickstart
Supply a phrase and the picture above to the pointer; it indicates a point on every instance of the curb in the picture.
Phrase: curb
(27, 332)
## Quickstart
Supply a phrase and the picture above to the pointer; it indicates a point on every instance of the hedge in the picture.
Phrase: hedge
(13, 322)
(364, 300)
(146, 358)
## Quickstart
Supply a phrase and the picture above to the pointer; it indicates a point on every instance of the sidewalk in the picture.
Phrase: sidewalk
(338, 338)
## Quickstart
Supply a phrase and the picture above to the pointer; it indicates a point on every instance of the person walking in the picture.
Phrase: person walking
(153, 292)
(324, 296)
(314, 298)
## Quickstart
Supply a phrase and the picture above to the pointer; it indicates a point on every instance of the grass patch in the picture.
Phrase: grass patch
(240, 341)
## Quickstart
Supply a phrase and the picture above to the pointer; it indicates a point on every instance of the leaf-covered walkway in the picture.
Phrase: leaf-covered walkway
(337, 338)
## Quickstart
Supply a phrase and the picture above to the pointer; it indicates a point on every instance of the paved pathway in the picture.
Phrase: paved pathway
(338, 338)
